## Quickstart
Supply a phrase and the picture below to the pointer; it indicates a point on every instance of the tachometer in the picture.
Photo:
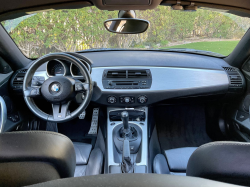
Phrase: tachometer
(55, 68)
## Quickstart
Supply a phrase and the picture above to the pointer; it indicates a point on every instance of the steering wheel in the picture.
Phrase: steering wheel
(58, 90)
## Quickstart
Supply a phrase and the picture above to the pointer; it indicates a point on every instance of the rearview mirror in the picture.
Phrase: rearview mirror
(126, 25)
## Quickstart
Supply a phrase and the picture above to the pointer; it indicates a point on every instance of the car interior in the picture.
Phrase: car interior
(125, 93)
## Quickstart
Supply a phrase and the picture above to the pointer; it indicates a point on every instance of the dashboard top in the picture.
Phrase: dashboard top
(151, 58)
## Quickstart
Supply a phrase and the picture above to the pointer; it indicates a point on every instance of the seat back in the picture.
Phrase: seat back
(35, 156)
(222, 161)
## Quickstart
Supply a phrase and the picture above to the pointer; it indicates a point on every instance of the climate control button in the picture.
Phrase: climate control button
(142, 99)
(127, 99)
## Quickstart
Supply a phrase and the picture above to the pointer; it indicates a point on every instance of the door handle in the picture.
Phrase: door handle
(3, 114)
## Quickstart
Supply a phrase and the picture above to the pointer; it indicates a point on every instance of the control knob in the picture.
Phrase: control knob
(142, 99)
(111, 99)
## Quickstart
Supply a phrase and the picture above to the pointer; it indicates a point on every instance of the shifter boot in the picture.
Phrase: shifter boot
(126, 166)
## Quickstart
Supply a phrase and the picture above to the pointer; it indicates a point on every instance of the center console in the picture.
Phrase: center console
(127, 142)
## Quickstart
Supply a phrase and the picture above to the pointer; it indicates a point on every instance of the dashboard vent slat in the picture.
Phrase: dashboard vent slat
(137, 73)
(228, 69)
(116, 74)
(18, 80)
(234, 77)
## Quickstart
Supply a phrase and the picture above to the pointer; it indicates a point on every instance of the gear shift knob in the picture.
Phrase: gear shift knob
(125, 118)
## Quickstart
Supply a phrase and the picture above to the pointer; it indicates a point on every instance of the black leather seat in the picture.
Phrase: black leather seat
(174, 161)
(38, 156)
(87, 162)
(222, 161)
(35, 156)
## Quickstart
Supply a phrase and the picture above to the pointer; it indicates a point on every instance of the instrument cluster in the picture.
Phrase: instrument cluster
(64, 68)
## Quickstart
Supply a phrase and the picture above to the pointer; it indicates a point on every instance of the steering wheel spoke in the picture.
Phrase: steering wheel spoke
(79, 86)
(33, 92)
(60, 111)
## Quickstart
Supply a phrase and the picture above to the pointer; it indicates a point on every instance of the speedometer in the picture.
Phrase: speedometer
(55, 68)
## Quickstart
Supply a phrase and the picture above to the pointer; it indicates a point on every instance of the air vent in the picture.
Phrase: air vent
(228, 69)
(235, 78)
(18, 80)
(127, 79)
(116, 74)
(137, 73)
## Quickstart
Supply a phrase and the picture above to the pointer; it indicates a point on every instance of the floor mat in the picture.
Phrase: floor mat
(76, 129)
(181, 126)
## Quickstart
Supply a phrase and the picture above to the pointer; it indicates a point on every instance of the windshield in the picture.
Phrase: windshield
(81, 29)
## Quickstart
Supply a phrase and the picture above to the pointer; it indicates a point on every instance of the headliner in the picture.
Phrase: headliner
(15, 8)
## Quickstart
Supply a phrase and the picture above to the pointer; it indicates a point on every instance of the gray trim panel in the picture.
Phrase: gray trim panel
(167, 83)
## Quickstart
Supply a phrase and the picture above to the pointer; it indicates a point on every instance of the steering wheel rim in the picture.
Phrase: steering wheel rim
(88, 88)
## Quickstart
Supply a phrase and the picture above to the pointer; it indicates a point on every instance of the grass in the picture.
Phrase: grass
(221, 47)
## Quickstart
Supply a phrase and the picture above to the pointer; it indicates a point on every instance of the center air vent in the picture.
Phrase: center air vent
(137, 73)
(18, 80)
(116, 74)
(236, 81)
(127, 79)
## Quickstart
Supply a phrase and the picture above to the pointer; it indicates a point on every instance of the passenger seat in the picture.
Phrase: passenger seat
(87, 162)
(174, 161)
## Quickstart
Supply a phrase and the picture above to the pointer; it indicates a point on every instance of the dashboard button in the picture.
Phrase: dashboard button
(127, 99)
(78, 87)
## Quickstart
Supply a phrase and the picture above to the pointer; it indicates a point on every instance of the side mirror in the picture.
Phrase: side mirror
(126, 25)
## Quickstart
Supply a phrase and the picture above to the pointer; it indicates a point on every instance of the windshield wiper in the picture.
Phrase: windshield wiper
(186, 50)
(181, 50)
(101, 49)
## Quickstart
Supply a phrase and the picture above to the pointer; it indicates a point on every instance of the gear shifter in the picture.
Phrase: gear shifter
(126, 166)
(125, 118)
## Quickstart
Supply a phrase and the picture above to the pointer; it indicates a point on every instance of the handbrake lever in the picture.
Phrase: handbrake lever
(126, 166)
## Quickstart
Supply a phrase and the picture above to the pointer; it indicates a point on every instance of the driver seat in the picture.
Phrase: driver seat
(31, 157)
(87, 162)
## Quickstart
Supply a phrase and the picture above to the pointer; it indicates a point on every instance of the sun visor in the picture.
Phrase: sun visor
(126, 4)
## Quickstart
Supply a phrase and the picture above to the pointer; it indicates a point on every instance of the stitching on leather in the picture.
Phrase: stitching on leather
(221, 144)
(37, 132)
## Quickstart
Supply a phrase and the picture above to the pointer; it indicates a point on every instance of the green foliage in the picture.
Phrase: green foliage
(164, 43)
(79, 29)
(221, 47)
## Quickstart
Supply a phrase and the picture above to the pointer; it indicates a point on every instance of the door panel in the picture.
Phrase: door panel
(13, 116)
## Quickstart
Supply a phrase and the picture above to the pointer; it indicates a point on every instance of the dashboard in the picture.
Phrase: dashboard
(132, 78)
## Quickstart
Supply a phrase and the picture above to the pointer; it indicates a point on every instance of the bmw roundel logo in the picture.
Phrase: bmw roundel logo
(55, 88)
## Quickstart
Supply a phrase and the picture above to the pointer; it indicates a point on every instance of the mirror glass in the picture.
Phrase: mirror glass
(126, 25)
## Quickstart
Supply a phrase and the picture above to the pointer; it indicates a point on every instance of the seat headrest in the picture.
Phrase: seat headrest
(222, 161)
(34, 156)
